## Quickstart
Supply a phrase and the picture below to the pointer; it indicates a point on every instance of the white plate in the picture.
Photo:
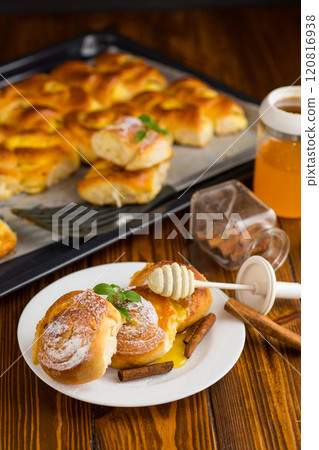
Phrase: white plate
(213, 358)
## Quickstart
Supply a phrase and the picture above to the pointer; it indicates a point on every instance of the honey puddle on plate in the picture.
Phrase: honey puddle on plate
(176, 353)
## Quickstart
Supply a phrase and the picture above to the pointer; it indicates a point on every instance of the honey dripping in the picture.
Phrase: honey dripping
(176, 353)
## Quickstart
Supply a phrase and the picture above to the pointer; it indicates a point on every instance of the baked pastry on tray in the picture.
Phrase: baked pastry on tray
(77, 73)
(119, 143)
(185, 122)
(114, 77)
(105, 181)
(149, 335)
(8, 239)
(135, 75)
(76, 339)
(81, 125)
(189, 309)
(226, 115)
(43, 118)
(31, 161)
(42, 90)
(102, 87)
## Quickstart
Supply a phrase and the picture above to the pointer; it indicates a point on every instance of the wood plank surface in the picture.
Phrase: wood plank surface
(257, 404)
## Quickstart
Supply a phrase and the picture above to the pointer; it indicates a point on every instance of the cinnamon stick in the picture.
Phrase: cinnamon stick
(191, 332)
(263, 323)
(145, 371)
(205, 325)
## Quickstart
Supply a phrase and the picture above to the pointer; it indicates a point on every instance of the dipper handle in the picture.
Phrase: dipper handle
(288, 290)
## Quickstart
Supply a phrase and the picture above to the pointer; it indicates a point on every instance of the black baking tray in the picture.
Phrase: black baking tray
(20, 271)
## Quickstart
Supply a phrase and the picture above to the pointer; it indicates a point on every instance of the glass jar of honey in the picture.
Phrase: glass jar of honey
(277, 176)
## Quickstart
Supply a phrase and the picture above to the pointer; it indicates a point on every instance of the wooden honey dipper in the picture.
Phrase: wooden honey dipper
(255, 287)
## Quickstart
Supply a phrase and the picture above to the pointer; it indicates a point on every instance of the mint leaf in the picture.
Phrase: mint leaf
(151, 125)
(101, 288)
(113, 292)
(145, 119)
(132, 296)
(106, 289)
(160, 130)
(124, 312)
(140, 135)
(115, 286)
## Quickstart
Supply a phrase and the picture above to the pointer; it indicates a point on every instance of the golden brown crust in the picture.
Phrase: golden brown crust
(191, 111)
(43, 118)
(191, 308)
(82, 125)
(34, 160)
(117, 143)
(134, 75)
(5, 131)
(77, 73)
(226, 115)
(112, 78)
(104, 185)
(42, 90)
(75, 340)
(186, 123)
(8, 239)
(150, 334)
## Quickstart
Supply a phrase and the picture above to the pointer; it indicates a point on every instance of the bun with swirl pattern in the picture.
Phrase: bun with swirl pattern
(149, 335)
(76, 339)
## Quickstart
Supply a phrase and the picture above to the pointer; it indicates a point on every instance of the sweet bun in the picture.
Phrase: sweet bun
(189, 309)
(148, 336)
(186, 123)
(42, 118)
(112, 78)
(134, 75)
(117, 143)
(81, 125)
(34, 160)
(77, 73)
(76, 339)
(8, 239)
(24, 117)
(108, 184)
(115, 62)
(226, 115)
(42, 90)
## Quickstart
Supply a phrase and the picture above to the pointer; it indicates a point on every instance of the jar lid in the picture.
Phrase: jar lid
(277, 119)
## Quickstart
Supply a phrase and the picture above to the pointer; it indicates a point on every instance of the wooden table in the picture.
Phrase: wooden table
(257, 404)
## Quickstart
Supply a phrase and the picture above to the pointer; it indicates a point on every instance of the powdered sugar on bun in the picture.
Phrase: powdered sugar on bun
(66, 340)
(142, 334)
(126, 124)
(76, 339)
(149, 335)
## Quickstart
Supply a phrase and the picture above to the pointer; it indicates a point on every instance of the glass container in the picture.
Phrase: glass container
(230, 224)
(277, 176)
